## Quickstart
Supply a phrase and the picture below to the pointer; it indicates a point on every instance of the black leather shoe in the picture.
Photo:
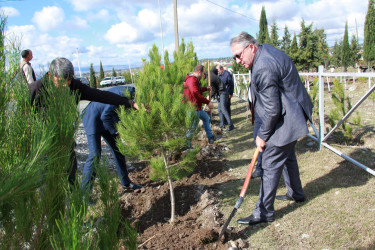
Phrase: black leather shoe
(288, 198)
(132, 186)
(256, 174)
(230, 128)
(251, 220)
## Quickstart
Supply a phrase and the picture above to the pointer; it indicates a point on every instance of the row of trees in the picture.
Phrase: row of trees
(309, 48)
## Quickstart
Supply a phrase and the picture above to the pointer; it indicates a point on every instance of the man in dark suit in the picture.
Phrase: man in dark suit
(100, 121)
(282, 104)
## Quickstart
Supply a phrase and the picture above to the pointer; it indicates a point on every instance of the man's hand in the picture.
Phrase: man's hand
(209, 88)
(135, 106)
(210, 105)
(260, 143)
(230, 96)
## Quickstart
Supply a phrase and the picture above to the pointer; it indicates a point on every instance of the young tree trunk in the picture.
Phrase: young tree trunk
(170, 188)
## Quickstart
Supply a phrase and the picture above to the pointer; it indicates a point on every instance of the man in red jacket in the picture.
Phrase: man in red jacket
(193, 93)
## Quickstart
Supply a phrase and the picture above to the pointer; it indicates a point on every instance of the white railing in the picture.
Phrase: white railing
(319, 137)
(241, 82)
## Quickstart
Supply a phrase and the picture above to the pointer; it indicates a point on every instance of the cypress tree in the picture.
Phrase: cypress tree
(114, 74)
(323, 49)
(369, 41)
(92, 77)
(293, 52)
(308, 51)
(286, 41)
(354, 49)
(159, 133)
(101, 72)
(345, 54)
(336, 54)
(274, 39)
(263, 36)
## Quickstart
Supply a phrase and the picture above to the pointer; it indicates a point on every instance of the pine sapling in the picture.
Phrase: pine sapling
(159, 132)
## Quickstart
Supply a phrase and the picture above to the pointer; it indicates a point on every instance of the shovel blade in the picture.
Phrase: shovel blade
(227, 222)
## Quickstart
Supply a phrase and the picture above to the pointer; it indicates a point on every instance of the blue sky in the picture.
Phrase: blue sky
(119, 32)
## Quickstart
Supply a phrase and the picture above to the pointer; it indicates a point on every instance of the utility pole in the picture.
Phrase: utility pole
(356, 29)
(161, 30)
(175, 25)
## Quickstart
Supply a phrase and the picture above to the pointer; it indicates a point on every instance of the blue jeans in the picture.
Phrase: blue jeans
(201, 114)
(224, 110)
(95, 150)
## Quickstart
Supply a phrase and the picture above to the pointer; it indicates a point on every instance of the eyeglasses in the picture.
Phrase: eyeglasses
(238, 56)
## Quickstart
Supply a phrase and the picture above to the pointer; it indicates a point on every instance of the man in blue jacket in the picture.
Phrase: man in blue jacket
(99, 121)
(283, 106)
(225, 98)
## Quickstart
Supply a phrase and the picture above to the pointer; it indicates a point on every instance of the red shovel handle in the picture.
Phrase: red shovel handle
(249, 172)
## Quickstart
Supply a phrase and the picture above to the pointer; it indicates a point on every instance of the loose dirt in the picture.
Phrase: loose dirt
(198, 221)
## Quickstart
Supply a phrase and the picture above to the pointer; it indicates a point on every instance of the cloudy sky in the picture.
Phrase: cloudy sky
(119, 32)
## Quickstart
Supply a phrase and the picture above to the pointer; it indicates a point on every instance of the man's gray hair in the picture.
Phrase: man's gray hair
(244, 39)
(61, 66)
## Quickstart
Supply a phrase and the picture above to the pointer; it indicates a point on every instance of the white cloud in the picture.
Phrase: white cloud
(48, 18)
(103, 14)
(23, 34)
(121, 33)
(77, 23)
(148, 19)
(9, 11)
(126, 33)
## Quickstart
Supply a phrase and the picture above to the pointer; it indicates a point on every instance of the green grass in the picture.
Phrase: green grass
(340, 210)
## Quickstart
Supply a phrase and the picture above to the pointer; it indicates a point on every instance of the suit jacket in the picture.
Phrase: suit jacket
(98, 117)
(280, 98)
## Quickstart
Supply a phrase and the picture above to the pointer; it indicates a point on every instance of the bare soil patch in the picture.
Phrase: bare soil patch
(198, 221)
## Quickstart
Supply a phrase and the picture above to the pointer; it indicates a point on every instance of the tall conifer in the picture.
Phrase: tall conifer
(369, 41)
(345, 54)
(286, 41)
(274, 39)
(101, 72)
(263, 36)
(92, 77)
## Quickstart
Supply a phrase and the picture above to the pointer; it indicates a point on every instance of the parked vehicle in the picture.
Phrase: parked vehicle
(83, 80)
(120, 80)
(108, 81)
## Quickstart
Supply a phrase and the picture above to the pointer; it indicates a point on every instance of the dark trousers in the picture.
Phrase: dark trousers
(95, 149)
(277, 160)
(257, 124)
(224, 109)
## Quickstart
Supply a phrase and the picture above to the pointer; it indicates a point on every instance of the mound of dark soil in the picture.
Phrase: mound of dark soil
(198, 220)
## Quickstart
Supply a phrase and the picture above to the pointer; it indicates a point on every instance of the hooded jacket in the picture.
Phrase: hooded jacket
(193, 91)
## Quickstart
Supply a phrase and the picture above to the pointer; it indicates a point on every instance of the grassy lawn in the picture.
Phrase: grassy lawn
(340, 207)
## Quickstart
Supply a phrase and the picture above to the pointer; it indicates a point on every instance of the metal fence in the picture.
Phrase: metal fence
(320, 137)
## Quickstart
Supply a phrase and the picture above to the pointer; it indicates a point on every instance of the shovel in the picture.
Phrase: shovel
(243, 192)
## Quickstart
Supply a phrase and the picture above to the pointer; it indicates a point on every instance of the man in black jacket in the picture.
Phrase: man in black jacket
(283, 106)
(61, 71)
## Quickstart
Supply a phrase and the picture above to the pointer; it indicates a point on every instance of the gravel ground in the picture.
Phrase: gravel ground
(82, 151)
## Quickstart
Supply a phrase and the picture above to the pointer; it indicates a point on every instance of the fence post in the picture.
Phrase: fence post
(369, 82)
(321, 105)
